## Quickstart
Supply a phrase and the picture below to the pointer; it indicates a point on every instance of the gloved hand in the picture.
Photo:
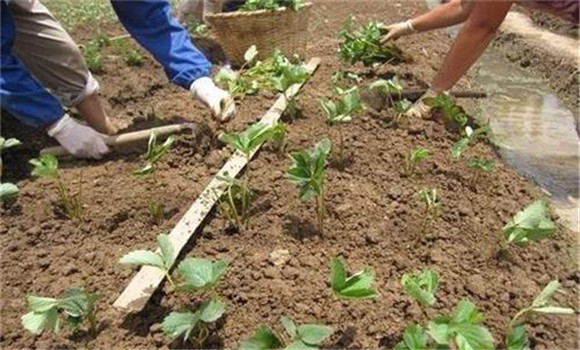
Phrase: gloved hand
(79, 140)
(397, 30)
(420, 109)
(220, 103)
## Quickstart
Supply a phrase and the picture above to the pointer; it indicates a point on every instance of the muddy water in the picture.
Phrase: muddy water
(535, 133)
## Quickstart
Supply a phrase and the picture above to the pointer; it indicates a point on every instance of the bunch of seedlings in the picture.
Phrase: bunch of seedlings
(453, 115)
(305, 336)
(155, 152)
(238, 83)
(236, 202)
(47, 167)
(75, 307)
(364, 44)
(196, 275)
(413, 159)
(307, 172)
(254, 5)
(530, 224)
(341, 112)
(430, 199)
(8, 191)
(356, 286)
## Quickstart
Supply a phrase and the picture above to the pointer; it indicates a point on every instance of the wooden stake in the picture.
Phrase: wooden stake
(143, 285)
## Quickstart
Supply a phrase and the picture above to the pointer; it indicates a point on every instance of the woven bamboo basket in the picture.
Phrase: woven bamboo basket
(282, 29)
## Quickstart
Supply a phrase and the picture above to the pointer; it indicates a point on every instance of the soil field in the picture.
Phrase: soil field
(373, 217)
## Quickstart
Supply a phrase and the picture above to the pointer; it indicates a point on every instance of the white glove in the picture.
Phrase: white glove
(420, 109)
(79, 140)
(397, 30)
(219, 101)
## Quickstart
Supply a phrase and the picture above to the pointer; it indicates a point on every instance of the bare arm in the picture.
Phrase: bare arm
(475, 36)
(446, 15)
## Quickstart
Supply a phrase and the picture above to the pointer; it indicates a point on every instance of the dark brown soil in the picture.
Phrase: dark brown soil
(373, 219)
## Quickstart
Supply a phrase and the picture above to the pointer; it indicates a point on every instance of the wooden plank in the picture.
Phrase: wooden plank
(143, 285)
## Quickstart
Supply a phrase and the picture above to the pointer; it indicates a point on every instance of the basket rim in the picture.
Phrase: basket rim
(253, 13)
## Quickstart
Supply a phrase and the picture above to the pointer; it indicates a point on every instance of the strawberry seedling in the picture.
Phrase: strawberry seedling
(341, 112)
(530, 224)
(289, 75)
(355, 286)
(154, 154)
(246, 143)
(193, 325)
(461, 330)
(47, 167)
(479, 167)
(422, 286)
(516, 338)
(76, 306)
(430, 198)
(162, 259)
(453, 115)
(416, 157)
(390, 88)
(470, 137)
(307, 172)
(239, 83)
(8, 191)
(93, 56)
(305, 336)
(364, 44)
(134, 58)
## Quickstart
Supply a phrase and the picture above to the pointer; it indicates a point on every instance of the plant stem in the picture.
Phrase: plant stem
(514, 319)
(320, 209)
(245, 191)
(170, 280)
(233, 208)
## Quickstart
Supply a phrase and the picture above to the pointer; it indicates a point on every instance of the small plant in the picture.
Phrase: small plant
(416, 157)
(238, 83)
(8, 191)
(134, 58)
(162, 259)
(462, 329)
(364, 44)
(47, 167)
(530, 224)
(422, 286)
(430, 198)
(254, 5)
(470, 137)
(452, 113)
(307, 172)
(355, 286)
(342, 112)
(305, 336)
(341, 76)
(278, 139)
(389, 88)
(76, 306)
(93, 56)
(414, 338)
(516, 338)
(289, 75)
(245, 143)
(154, 154)
(193, 325)
(197, 28)
(479, 167)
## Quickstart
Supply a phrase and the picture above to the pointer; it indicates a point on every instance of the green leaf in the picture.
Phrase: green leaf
(250, 54)
(45, 166)
(212, 310)
(440, 332)
(143, 258)
(472, 337)
(8, 143)
(300, 345)
(459, 147)
(414, 338)
(262, 339)
(179, 324)
(166, 250)
(338, 275)
(201, 273)
(422, 286)
(546, 294)
(8, 192)
(517, 339)
(37, 322)
(41, 304)
(289, 326)
(225, 75)
(77, 303)
(466, 312)
(314, 334)
(530, 224)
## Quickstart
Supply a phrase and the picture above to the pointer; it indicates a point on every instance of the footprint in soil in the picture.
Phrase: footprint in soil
(299, 228)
